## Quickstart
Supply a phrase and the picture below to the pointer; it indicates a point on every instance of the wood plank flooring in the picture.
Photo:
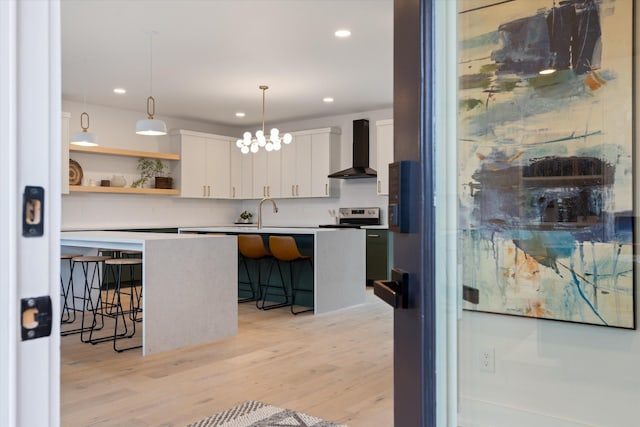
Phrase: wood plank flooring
(336, 366)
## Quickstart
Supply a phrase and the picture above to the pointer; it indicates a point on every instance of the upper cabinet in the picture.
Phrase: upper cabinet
(308, 161)
(325, 159)
(296, 167)
(266, 173)
(241, 174)
(205, 167)
(384, 129)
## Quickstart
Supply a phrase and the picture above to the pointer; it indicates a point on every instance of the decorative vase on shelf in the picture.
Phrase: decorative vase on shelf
(118, 181)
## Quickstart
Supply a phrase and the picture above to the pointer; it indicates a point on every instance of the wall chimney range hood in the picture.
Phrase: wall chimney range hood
(360, 168)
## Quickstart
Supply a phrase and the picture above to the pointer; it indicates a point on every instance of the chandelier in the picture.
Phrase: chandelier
(274, 141)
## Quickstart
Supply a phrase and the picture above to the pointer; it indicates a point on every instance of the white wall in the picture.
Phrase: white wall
(115, 128)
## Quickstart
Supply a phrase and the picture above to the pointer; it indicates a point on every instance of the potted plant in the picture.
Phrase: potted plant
(246, 216)
(153, 168)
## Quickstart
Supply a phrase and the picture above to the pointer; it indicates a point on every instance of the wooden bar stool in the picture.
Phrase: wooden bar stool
(121, 310)
(91, 298)
(285, 251)
(251, 247)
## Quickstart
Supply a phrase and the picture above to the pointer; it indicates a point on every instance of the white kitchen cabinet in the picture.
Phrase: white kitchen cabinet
(266, 173)
(306, 164)
(384, 129)
(241, 174)
(64, 143)
(296, 167)
(325, 159)
(205, 167)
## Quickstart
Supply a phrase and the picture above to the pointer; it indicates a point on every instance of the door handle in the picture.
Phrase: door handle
(394, 292)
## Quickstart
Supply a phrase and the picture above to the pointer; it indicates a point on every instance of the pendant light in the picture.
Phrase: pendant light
(84, 137)
(253, 144)
(150, 125)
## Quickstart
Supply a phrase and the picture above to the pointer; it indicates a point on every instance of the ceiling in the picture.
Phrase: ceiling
(210, 56)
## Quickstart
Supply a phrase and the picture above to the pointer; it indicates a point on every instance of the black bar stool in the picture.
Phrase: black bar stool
(251, 248)
(133, 310)
(92, 284)
(285, 251)
(68, 306)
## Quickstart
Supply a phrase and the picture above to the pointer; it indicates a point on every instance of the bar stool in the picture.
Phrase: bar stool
(88, 301)
(68, 306)
(251, 247)
(134, 310)
(285, 251)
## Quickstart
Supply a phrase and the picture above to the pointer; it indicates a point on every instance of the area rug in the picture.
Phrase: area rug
(257, 414)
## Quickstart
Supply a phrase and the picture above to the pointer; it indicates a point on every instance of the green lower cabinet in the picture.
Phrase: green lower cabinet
(379, 255)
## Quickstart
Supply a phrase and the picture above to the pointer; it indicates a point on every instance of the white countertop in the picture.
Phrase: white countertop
(263, 230)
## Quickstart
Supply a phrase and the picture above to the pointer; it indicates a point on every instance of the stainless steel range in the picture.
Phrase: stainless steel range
(355, 218)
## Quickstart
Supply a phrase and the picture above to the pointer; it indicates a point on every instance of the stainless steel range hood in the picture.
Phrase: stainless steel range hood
(360, 168)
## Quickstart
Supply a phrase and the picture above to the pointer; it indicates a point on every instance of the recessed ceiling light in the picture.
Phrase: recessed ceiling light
(328, 99)
(119, 91)
(239, 114)
(342, 33)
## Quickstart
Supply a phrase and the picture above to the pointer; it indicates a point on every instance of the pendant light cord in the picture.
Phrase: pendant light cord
(264, 90)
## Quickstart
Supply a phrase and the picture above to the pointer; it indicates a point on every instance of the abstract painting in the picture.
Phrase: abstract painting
(545, 159)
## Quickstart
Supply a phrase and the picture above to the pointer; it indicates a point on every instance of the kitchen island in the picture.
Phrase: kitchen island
(339, 266)
(187, 292)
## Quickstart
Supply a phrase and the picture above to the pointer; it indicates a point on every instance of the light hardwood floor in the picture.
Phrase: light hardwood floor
(336, 366)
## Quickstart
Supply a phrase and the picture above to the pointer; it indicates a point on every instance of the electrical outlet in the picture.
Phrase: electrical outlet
(487, 359)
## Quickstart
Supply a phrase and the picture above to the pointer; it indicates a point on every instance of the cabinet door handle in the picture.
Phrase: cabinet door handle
(375, 236)
(378, 186)
(264, 191)
(326, 189)
(233, 192)
(293, 193)
(204, 191)
(297, 194)
(268, 191)
(208, 191)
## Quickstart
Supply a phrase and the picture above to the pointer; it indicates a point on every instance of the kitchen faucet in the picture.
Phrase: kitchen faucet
(275, 209)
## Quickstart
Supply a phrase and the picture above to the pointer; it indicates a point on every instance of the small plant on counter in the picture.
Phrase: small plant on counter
(246, 215)
(149, 169)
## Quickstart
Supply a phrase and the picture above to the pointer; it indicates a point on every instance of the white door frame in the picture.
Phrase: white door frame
(30, 117)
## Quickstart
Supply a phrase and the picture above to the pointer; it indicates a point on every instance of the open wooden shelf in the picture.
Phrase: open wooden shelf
(123, 152)
(123, 190)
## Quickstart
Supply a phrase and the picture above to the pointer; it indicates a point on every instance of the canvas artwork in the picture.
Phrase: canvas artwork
(545, 159)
